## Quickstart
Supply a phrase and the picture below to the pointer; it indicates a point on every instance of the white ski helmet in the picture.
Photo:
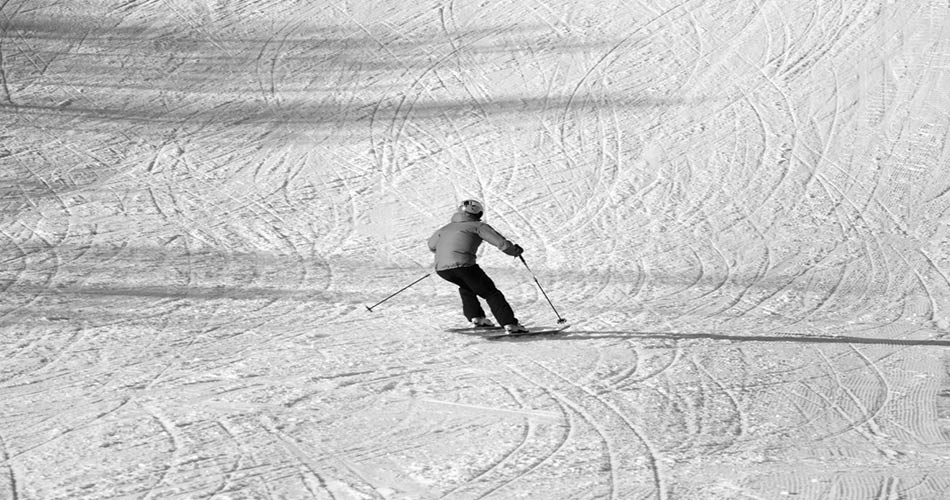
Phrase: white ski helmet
(472, 207)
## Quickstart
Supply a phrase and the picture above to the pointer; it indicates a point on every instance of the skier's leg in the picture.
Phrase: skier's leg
(484, 287)
(471, 307)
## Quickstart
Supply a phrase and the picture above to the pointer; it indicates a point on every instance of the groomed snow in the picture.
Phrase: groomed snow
(743, 207)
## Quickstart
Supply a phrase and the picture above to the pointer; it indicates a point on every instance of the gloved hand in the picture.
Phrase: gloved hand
(516, 251)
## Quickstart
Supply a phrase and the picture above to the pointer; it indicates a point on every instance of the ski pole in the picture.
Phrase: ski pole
(370, 308)
(560, 320)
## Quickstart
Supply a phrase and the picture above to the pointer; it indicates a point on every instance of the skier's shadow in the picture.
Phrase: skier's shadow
(796, 338)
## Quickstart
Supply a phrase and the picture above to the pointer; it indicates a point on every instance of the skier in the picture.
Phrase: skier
(454, 246)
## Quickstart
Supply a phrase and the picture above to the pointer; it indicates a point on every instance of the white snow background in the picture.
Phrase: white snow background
(741, 206)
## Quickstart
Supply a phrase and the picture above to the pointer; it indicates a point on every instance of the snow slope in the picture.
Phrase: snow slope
(742, 206)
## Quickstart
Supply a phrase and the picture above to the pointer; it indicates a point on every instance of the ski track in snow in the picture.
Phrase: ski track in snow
(741, 207)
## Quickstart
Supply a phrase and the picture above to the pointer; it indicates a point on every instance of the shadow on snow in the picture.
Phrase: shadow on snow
(795, 338)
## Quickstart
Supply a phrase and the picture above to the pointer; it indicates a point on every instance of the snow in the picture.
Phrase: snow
(742, 207)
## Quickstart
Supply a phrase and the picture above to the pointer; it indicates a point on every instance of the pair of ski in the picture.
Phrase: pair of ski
(497, 332)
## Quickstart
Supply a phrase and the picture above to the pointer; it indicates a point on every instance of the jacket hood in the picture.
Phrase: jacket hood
(464, 217)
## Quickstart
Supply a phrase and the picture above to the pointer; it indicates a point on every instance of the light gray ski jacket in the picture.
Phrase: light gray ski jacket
(455, 244)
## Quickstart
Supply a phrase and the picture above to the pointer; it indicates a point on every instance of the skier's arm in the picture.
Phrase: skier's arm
(433, 241)
(489, 234)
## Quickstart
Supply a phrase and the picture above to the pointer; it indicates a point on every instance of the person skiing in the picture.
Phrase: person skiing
(454, 246)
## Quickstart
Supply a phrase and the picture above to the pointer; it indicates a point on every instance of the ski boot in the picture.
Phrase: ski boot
(482, 322)
(515, 328)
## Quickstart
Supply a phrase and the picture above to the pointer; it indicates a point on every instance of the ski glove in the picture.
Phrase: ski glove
(516, 251)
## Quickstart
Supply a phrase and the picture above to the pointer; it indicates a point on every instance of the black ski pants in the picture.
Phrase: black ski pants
(474, 283)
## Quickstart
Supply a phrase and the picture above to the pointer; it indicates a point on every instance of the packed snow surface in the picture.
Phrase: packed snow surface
(742, 207)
